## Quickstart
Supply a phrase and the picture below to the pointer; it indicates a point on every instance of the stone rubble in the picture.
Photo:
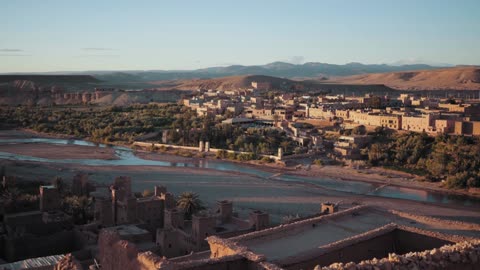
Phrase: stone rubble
(446, 257)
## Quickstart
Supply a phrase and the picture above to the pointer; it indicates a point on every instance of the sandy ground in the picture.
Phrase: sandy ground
(247, 192)
(376, 175)
(371, 175)
(59, 151)
(29, 133)
(380, 176)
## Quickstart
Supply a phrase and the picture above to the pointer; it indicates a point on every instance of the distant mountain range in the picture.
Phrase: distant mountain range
(49, 89)
(276, 69)
(310, 75)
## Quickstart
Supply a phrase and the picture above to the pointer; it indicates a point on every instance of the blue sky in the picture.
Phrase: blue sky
(61, 35)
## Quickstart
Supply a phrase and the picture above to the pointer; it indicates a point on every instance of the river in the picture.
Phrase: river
(127, 157)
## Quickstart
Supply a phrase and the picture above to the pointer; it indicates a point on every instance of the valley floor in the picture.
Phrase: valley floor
(278, 197)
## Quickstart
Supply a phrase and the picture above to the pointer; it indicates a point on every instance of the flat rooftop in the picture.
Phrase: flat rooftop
(301, 237)
(124, 230)
(310, 236)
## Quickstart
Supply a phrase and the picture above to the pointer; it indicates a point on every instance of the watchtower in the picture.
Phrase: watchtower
(49, 198)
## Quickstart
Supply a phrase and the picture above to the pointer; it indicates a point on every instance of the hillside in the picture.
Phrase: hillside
(227, 83)
(456, 78)
(67, 89)
(275, 69)
(50, 79)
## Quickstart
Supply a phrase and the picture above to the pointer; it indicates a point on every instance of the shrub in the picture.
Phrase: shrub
(221, 154)
(267, 160)
(318, 162)
(473, 182)
(231, 155)
(458, 180)
(246, 157)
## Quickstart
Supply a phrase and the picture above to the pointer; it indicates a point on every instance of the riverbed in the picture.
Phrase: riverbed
(250, 188)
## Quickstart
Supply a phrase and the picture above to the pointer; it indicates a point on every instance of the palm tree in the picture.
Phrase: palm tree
(189, 203)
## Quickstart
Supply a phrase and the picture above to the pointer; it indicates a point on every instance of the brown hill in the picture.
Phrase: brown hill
(50, 79)
(457, 78)
(226, 83)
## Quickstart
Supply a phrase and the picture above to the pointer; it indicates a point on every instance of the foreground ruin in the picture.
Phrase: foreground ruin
(152, 233)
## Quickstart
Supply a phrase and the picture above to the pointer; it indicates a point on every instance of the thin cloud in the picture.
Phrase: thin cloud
(97, 49)
(297, 60)
(11, 50)
(15, 55)
(227, 64)
(99, 55)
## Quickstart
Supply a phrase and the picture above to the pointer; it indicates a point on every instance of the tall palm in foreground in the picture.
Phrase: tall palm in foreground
(189, 203)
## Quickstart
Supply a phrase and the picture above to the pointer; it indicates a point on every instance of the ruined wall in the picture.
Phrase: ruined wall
(174, 219)
(464, 255)
(103, 211)
(49, 198)
(68, 263)
(219, 249)
(377, 243)
(461, 225)
(2, 246)
(234, 233)
(234, 262)
(115, 253)
(169, 242)
(292, 228)
(202, 227)
(119, 254)
(406, 241)
(151, 212)
(30, 246)
(377, 247)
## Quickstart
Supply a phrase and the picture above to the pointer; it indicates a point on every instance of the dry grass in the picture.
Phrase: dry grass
(457, 78)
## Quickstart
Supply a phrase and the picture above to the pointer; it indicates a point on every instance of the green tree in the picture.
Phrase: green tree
(80, 207)
(359, 130)
(285, 145)
(190, 203)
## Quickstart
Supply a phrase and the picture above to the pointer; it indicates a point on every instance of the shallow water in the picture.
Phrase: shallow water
(127, 157)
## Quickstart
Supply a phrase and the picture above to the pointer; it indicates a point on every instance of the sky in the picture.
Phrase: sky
(62, 35)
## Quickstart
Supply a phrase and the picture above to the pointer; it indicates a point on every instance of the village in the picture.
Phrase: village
(308, 120)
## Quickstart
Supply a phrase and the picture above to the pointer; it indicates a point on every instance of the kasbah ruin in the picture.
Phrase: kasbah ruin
(152, 233)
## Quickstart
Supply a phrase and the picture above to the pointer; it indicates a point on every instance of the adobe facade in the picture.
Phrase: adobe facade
(49, 198)
(121, 207)
(180, 237)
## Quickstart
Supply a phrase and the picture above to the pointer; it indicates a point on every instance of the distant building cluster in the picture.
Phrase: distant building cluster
(407, 112)
(306, 118)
